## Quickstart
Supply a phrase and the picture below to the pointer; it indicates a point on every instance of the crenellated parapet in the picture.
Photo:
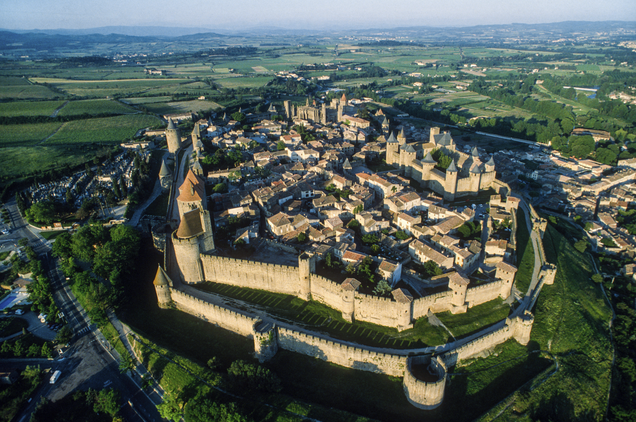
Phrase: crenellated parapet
(424, 387)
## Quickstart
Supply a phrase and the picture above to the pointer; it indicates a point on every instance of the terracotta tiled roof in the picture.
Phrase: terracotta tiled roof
(192, 189)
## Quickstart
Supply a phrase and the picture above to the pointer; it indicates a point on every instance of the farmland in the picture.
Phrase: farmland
(102, 130)
(26, 135)
(29, 108)
(95, 107)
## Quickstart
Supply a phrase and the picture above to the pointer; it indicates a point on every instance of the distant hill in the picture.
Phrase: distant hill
(134, 31)
(158, 40)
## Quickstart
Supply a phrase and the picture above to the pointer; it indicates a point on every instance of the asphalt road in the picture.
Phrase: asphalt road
(89, 362)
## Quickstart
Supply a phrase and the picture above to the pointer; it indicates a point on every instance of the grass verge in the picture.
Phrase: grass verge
(525, 254)
(571, 321)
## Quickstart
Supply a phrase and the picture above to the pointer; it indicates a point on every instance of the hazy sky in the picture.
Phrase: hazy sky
(315, 14)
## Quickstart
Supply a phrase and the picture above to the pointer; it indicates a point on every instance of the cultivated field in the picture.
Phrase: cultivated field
(29, 108)
(26, 135)
(103, 130)
(74, 108)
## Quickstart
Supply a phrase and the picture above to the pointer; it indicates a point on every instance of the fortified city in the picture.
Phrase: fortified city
(409, 223)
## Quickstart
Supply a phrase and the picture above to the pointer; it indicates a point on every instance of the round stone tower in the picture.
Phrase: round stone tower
(265, 341)
(162, 288)
(173, 137)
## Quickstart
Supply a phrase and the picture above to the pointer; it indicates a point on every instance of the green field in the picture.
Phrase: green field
(103, 130)
(23, 161)
(477, 317)
(182, 106)
(26, 135)
(525, 254)
(74, 108)
(243, 81)
(571, 321)
(26, 92)
(25, 108)
(105, 88)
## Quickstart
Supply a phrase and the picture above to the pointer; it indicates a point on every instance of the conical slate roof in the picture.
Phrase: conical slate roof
(452, 167)
(475, 169)
(392, 138)
(346, 164)
(161, 278)
(402, 133)
(164, 171)
(385, 121)
(474, 152)
(409, 148)
(429, 159)
(170, 125)
(190, 224)
(491, 162)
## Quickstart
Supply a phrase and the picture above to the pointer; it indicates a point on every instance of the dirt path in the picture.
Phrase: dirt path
(57, 110)
(52, 134)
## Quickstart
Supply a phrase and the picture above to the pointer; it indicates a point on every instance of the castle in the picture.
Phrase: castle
(192, 259)
(269, 337)
(466, 175)
(335, 112)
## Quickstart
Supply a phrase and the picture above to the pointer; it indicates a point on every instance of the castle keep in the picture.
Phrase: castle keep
(466, 175)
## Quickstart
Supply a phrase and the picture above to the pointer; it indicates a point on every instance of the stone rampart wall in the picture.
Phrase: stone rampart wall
(225, 318)
(327, 292)
(438, 302)
(377, 310)
(341, 354)
(480, 344)
(483, 293)
(251, 274)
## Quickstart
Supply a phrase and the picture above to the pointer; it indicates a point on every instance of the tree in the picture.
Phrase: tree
(432, 269)
(358, 210)
(46, 351)
(383, 288)
(203, 409)
(41, 212)
(107, 401)
(62, 246)
(238, 116)
(597, 278)
(375, 248)
(301, 237)
(581, 245)
(401, 235)
(280, 146)
(171, 408)
(370, 239)
(214, 363)
(220, 188)
(252, 377)
(18, 348)
(34, 351)
(64, 335)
